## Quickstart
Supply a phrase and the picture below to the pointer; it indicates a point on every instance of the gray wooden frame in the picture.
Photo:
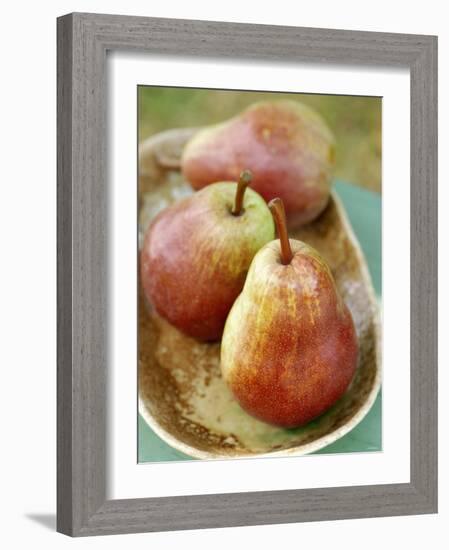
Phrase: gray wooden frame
(83, 40)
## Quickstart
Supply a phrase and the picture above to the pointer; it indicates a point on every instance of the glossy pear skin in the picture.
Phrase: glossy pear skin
(287, 146)
(289, 347)
(196, 255)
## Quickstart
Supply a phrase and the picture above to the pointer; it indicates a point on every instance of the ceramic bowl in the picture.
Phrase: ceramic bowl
(182, 395)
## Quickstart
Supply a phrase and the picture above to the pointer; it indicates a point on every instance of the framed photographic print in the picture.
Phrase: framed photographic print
(246, 274)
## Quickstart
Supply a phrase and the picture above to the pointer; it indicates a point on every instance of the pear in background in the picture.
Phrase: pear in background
(288, 147)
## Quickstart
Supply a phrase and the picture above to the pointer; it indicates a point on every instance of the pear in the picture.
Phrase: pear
(197, 252)
(288, 147)
(289, 347)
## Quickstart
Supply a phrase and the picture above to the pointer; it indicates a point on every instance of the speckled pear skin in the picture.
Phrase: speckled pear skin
(286, 145)
(196, 255)
(289, 348)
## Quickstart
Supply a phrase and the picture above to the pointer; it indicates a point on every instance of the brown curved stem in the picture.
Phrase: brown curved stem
(244, 180)
(278, 211)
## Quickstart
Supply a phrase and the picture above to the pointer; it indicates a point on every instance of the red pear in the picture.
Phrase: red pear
(288, 147)
(196, 255)
(289, 347)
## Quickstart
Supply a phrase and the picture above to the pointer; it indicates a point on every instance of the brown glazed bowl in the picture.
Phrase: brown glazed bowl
(182, 395)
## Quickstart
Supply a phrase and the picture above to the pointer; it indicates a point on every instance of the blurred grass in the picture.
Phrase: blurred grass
(355, 121)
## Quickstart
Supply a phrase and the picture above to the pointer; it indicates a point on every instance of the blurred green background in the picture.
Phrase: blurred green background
(355, 121)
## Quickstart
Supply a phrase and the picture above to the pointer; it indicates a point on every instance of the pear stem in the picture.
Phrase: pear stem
(277, 209)
(244, 180)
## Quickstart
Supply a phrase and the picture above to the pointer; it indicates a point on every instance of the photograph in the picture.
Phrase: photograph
(220, 286)
(260, 274)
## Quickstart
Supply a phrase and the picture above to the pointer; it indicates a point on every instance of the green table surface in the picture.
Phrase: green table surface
(364, 209)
